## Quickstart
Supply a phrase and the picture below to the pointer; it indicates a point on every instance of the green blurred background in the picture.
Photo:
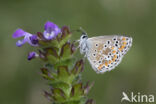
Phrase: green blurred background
(20, 80)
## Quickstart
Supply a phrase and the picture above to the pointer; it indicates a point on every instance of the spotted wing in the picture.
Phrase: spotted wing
(106, 52)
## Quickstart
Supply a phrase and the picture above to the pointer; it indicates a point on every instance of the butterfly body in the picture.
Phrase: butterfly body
(104, 52)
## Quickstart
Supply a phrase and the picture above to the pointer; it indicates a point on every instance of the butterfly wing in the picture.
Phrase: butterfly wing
(106, 52)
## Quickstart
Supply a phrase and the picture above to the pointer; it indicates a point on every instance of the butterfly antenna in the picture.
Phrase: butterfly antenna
(82, 31)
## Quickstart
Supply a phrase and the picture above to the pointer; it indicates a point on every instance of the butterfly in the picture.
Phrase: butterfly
(104, 52)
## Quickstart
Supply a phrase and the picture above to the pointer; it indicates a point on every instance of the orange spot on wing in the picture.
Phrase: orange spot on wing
(124, 43)
(100, 66)
(113, 51)
(106, 63)
(123, 38)
(120, 49)
(110, 62)
(114, 58)
(112, 47)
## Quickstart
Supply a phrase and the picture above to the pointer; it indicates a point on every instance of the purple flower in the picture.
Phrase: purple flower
(34, 39)
(32, 55)
(51, 30)
(29, 38)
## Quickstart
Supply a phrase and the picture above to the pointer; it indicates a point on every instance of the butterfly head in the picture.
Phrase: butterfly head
(83, 43)
(83, 37)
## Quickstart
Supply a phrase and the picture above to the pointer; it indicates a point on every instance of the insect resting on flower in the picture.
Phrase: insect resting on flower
(104, 52)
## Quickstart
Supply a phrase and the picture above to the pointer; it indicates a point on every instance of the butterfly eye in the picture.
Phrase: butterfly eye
(84, 36)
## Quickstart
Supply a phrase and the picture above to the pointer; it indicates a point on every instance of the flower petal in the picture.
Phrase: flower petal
(34, 40)
(19, 43)
(49, 36)
(51, 30)
(57, 30)
(18, 33)
(49, 26)
(29, 38)
(32, 55)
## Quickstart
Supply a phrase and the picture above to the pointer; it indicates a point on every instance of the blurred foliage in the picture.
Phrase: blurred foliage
(20, 79)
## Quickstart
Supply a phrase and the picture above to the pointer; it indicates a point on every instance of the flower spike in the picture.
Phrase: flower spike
(61, 69)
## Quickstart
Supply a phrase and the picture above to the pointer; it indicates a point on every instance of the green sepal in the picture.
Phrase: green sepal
(80, 101)
(78, 67)
(77, 91)
(61, 85)
(67, 62)
(64, 39)
(51, 43)
(46, 74)
(63, 72)
(47, 43)
(64, 75)
(66, 51)
(87, 87)
(90, 101)
(52, 56)
(58, 95)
